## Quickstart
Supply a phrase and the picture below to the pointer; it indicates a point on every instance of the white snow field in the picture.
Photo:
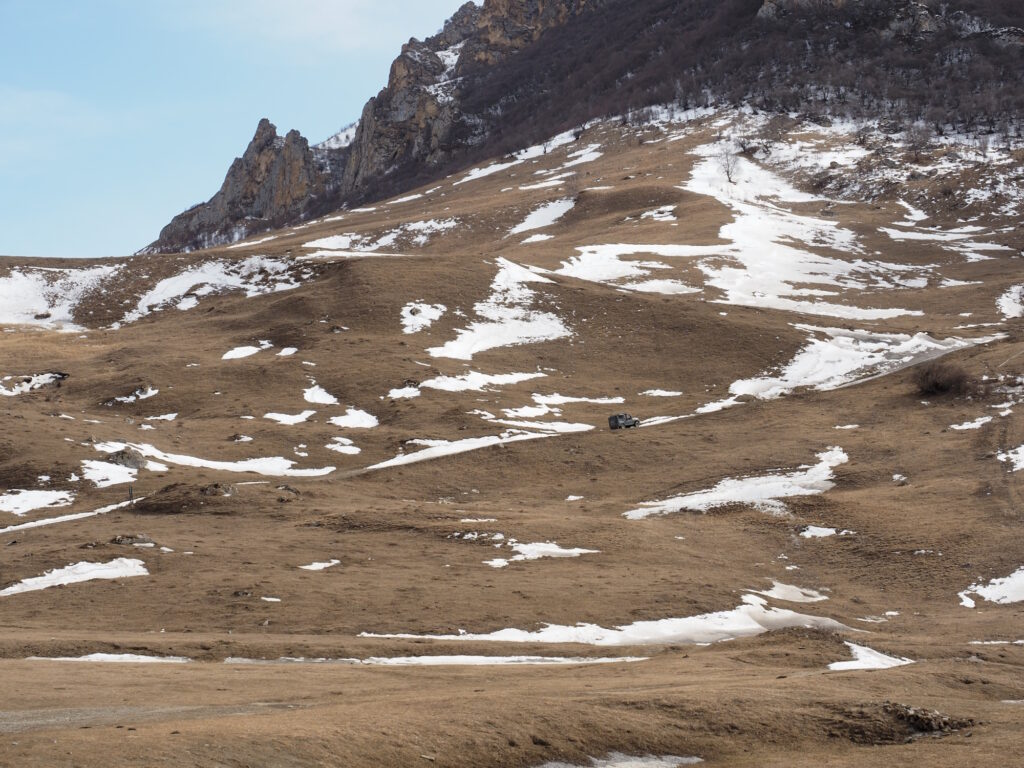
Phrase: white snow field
(1015, 458)
(505, 317)
(976, 424)
(1009, 589)
(274, 466)
(1011, 303)
(763, 492)
(20, 503)
(115, 658)
(65, 518)
(343, 445)
(435, 449)
(791, 594)
(355, 419)
(536, 551)
(817, 532)
(417, 316)
(865, 658)
(446, 661)
(239, 353)
(255, 276)
(544, 216)
(836, 357)
(121, 568)
(322, 566)
(289, 419)
(474, 381)
(104, 474)
(522, 156)
(26, 384)
(765, 262)
(48, 297)
(318, 395)
(750, 619)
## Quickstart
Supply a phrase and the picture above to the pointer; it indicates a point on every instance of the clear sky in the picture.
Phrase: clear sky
(115, 115)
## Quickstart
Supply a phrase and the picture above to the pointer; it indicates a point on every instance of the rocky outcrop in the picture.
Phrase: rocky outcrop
(275, 181)
(417, 120)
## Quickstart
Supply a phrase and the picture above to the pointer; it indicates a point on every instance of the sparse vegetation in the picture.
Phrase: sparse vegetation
(939, 378)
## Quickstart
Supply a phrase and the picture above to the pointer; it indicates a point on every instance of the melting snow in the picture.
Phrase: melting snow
(791, 594)
(121, 568)
(544, 216)
(865, 658)
(20, 503)
(64, 518)
(618, 760)
(537, 551)
(750, 619)
(520, 157)
(665, 213)
(759, 266)
(355, 419)
(976, 424)
(46, 296)
(474, 381)
(320, 566)
(764, 492)
(437, 448)
(843, 357)
(418, 317)
(255, 276)
(1009, 589)
(817, 532)
(343, 445)
(289, 419)
(318, 395)
(105, 475)
(1014, 457)
(29, 383)
(270, 466)
(1011, 303)
(506, 319)
(138, 394)
(116, 658)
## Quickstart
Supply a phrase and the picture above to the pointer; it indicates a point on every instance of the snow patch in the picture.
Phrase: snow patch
(866, 658)
(121, 568)
(764, 492)
(20, 503)
(748, 620)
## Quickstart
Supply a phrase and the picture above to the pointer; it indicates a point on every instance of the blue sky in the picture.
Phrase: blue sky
(117, 114)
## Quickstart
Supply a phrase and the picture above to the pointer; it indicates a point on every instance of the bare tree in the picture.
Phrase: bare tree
(919, 137)
(726, 158)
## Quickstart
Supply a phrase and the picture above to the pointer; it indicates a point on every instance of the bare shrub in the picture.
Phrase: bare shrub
(940, 378)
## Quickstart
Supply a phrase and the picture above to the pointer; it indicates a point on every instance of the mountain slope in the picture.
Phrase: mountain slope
(378, 512)
(516, 71)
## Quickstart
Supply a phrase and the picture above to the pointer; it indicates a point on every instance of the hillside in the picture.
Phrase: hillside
(511, 73)
(379, 517)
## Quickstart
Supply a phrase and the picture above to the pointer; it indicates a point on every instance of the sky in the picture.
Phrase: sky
(115, 115)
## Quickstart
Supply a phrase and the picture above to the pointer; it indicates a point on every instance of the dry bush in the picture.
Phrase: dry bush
(939, 378)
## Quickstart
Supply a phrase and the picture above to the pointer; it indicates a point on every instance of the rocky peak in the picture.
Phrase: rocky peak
(412, 121)
(276, 179)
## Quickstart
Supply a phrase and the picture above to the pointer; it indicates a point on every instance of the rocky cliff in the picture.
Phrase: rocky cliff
(416, 121)
(509, 73)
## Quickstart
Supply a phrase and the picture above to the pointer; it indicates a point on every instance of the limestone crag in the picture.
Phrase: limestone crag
(277, 179)
(417, 120)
